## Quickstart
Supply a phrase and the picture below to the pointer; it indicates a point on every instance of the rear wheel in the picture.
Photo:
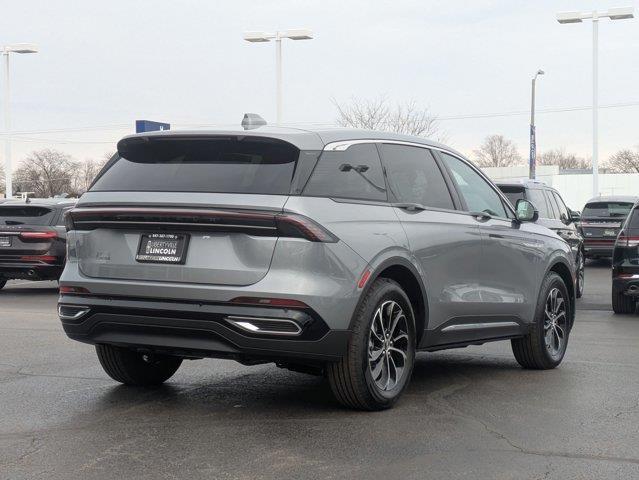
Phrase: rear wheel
(622, 304)
(380, 357)
(133, 368)
(545, 346)
(581, 275)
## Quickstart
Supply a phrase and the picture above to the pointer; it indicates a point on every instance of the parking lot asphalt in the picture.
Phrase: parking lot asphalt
(470, 413)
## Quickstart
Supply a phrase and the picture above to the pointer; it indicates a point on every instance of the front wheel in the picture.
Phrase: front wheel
(545, 345)
(134, 368)
(380, 357)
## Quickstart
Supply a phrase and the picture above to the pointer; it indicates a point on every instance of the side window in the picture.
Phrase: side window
(414, 177)
(477, 192)
(563, 210)
(354, 173)
(538, 199)
(552, 205)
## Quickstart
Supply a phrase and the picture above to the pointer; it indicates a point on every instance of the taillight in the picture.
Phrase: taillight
(34, 236)
(68, 221)
(625, 240)
(39, 258)
(293, 225)
(270, 302)
(73, 289)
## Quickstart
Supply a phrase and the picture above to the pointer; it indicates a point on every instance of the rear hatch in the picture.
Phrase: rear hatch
(25, 233)
(186, 209)
(602, 221)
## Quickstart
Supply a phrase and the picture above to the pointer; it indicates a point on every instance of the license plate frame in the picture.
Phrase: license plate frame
(162, 248)
(5, 241)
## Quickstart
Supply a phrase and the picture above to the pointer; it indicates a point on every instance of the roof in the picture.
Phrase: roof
(525, 183)
(311, 138)
(615, 198)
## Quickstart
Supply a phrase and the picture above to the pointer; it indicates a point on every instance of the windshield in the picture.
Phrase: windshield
(512, 193)
(25, 215)
(208, 164)
(607, 209)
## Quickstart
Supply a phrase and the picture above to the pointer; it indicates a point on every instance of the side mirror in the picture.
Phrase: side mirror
(526, 211)
(575, 216)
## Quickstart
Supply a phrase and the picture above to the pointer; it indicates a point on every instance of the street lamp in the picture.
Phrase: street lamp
(258, 37)
(6, 50)
(533, 137)
(619, 13)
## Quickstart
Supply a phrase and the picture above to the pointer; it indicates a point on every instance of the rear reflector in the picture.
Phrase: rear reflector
(364, 278)
(38, 258)
(73, 289)
(270, 302)
(37, 235)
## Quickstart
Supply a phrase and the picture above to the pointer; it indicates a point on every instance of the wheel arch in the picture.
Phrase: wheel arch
(402, 271)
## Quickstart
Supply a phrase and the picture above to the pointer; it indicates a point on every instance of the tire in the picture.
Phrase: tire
(2, 284)
(622, 304)
(133, 368)
(537, 349)
(581, 275)
(360, 381)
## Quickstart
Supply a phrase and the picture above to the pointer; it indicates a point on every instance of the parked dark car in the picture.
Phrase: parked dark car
(32, 239)
(331, 251)
(601, 221)
(625, 266)
(553, 214)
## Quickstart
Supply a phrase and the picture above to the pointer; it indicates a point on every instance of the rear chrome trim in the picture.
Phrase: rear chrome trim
(478, 326)
(79, 312)
(251, 324)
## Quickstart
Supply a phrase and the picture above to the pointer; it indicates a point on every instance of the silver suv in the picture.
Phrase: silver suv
(337, 252)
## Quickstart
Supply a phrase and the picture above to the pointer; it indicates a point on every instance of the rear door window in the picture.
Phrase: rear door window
(563, 210)
(207, 164)
(25, 215)
(414, 177)
(355, 173)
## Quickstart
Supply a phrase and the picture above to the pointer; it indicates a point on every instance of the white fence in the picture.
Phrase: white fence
(576, 189)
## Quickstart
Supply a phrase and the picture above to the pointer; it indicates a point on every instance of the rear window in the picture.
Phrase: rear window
(607, 209)
(209, 164)
(25, 215)
(513, 194)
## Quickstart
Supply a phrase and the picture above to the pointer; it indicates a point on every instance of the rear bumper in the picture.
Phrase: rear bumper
(599, 248)
(200, 329)
(30, 270)
(629, 285)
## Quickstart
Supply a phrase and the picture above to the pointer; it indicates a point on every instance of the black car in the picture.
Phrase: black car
(601, 221)
(553, 214)
(32, 239)
(625, 266)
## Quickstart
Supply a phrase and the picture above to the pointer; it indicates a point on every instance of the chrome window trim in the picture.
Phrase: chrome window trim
(341, 146)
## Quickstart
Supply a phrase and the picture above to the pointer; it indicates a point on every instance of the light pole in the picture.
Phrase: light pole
(257, 37)
(533, 137)
(619, 13)
(6, 50)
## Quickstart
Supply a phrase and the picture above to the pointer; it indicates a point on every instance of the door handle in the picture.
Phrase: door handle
(481, 216)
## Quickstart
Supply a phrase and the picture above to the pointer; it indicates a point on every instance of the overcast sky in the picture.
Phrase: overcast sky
(102, 65)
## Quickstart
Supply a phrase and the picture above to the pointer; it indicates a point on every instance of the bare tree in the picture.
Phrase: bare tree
(379, 114)
(84, 175)
(497, 151)
(624, 161)
(46, 173)
(564, 160)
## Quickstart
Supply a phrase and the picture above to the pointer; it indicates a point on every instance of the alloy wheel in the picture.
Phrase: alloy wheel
(555, 323)
(388, 344)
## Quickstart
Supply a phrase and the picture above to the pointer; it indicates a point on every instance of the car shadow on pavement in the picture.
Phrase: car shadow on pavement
(272, 391)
